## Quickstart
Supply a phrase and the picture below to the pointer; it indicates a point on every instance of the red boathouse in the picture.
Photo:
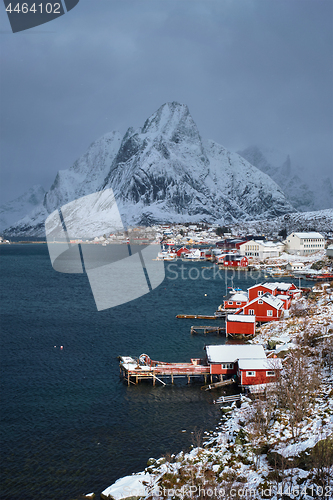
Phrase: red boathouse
(240, 324)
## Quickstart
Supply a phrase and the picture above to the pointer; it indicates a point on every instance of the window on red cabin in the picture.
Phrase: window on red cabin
(260, 292)
(260, 302)
(251, 311)
(269, 312)
(238, 303)
(250, 374)
(270, 373)
(230, 302)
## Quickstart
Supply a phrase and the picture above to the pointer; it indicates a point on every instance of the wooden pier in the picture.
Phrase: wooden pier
(196, 316)
(135, 370)
(207, 329)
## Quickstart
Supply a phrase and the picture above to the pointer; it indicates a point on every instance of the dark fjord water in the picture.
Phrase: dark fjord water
(69, 425)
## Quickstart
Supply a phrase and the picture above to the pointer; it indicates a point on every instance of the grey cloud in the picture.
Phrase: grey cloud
(250, 72)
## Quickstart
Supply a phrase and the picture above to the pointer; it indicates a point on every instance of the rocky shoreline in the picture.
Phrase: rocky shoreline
(278, 446)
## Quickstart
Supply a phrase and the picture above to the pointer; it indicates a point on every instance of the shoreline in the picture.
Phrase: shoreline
(240, 455)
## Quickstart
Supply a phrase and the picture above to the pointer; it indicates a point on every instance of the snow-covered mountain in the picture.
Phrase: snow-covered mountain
(302, 194)
(14, 210)
(162, 172)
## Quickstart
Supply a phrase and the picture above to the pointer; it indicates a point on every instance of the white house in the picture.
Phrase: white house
(261, 249)
(295, 266)
(304, 243)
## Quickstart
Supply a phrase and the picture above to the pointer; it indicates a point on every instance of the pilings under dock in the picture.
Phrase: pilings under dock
(134, 371)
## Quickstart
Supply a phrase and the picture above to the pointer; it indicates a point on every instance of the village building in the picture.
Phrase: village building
(278, 288)
(236, 301)
(223, 359)
(258, 249)
(304, 243)
(232, 260)
(295, 266)
(240, 324)
(182, 252)
(262, 288)
(258, 371)
(266, 307)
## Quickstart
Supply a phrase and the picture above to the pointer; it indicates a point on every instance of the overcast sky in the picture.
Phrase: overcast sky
(251, 72)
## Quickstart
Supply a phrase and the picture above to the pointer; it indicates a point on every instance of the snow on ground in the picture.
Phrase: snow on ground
(236, 458)
(284, 258)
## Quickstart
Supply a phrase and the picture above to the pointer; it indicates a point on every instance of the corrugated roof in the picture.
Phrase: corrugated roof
(259, 364)
(230, 353)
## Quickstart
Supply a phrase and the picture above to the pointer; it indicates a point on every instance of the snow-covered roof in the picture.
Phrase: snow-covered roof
(283, 297)
(269, 243)
(268, 299)
(272, 301)
(241, 318)
(311, 234)
(239, 297)
(259, 364)
(230, 353)
(279, 285)
(269, 286)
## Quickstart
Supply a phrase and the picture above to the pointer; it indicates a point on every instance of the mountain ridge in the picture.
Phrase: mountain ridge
(163, 172)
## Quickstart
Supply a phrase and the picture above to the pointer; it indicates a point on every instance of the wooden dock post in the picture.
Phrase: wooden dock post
(154, 380)
(205, 379)
(188, 379)
(172, 378)
(128, 378)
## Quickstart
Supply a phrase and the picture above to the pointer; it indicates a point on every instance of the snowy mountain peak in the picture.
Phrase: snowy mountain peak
(161, 172)
(169, 118)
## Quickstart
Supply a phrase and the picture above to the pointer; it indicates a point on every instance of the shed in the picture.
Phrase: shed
(240, 324)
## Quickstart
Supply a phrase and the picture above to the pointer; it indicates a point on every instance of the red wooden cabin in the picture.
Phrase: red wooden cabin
(182, 251)
(262, 288)
(236, 301)
(258, 371)
(265, 308)
(223, 359)
(240, 324)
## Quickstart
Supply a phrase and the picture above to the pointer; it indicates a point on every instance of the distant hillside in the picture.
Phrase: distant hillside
(302, 194)
(321, 220)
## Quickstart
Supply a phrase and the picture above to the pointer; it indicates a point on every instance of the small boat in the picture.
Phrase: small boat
(233, 290)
